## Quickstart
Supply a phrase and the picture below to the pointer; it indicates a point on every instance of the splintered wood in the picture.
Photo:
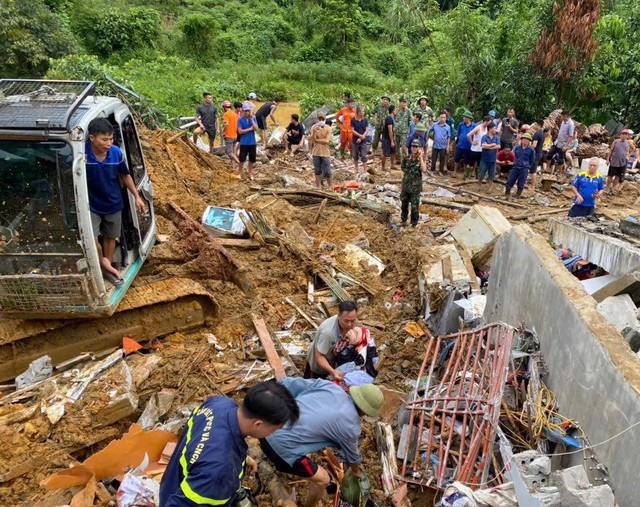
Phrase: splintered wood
(456, 407)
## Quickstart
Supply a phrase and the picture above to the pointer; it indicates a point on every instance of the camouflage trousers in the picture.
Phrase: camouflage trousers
(410, 198)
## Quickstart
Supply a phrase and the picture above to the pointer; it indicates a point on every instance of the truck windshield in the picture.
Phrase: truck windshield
(38, 222)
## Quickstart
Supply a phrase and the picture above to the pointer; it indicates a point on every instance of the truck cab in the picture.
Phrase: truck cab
(49, 265)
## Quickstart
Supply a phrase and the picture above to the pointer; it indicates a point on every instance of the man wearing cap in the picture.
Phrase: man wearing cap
(566, 134)
(319, 139)
(586, 188)
(207, 120)
(247, 128)
(493, 115)
(420, 133)
(463, 146)
(329, 417)
(252, 100)
(525, 159)
(380, 113)
(401, 129)
(412, 183)
(618, 156)
(424, 109)
(230, 132)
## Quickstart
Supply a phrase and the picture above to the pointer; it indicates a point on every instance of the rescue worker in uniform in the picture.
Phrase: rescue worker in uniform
(208, 464)
(412, 183)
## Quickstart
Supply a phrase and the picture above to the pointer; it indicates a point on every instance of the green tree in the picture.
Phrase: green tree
(31, 34)
(343, 27)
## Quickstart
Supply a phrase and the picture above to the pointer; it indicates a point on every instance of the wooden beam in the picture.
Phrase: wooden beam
(450, 205)
(250, 244)
(316, 218)
(268, 346)
(476, 194)
(303, 314)
(176, 136)
(525, 216)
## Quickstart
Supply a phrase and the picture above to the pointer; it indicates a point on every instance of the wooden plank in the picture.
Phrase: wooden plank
(450, 205)
(476, 194)
(304, 315)
(525, 216)
(176, 136)
(268, 346)
(251, 244)
(464, 255)
(447, 270)
(387, 450)
(316, 218)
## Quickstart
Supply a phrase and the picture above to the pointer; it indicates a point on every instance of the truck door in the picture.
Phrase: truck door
(138, 170)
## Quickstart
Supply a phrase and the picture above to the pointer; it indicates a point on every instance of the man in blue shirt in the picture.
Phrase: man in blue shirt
(490, 145)
(106, 168)
(208, 464)
(441, 135)
(587, 187)
(463, 148)
(420, 134)
(525, 159)
(247, 128)
(329, 417)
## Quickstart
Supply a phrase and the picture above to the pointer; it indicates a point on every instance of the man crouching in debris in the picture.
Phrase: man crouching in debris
(329, 417)
(321, 359)
(412, 183)
(209, 461)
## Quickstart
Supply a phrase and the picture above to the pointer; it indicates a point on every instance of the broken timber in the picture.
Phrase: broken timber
(525, 216)
(302, 195)
(444, 204)
(476, 194)
(304, 315)
(268, 346)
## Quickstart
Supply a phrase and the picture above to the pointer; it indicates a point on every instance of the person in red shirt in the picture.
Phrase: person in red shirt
(344, 117)
(506, 159)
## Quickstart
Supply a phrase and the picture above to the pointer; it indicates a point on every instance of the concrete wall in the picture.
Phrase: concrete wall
(593, 372)
(616, 256)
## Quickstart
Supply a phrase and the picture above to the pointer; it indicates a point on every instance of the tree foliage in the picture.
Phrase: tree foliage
(470, 54)
(31, 34)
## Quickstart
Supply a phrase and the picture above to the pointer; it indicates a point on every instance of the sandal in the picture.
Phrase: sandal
(110, 277)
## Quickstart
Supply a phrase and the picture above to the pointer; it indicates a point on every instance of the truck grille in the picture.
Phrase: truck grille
(44, 294)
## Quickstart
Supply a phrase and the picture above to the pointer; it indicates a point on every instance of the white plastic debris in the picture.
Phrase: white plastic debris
(38, 370)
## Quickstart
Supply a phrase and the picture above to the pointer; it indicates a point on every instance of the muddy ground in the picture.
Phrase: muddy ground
(188, 362)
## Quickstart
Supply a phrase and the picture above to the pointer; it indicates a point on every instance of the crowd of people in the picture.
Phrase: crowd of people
(420, 142)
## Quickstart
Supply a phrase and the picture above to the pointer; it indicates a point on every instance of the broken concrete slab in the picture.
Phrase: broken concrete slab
(576, 490)
(620, 311)
(628, 283)
(478, 227)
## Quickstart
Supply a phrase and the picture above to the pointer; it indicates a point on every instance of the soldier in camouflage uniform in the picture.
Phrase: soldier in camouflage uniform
(427, 113)
(403, 118)
(412, 167)
(380, 113)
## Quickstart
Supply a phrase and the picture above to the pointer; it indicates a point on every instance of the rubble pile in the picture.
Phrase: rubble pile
(301, 251)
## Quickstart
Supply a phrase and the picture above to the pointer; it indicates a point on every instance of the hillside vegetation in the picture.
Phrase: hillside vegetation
(473, 54)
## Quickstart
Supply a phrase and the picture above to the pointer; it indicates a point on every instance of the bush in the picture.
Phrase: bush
(198, 31)
(105, 33)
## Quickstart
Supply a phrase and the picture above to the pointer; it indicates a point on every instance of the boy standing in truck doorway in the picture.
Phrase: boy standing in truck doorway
(105, 167)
